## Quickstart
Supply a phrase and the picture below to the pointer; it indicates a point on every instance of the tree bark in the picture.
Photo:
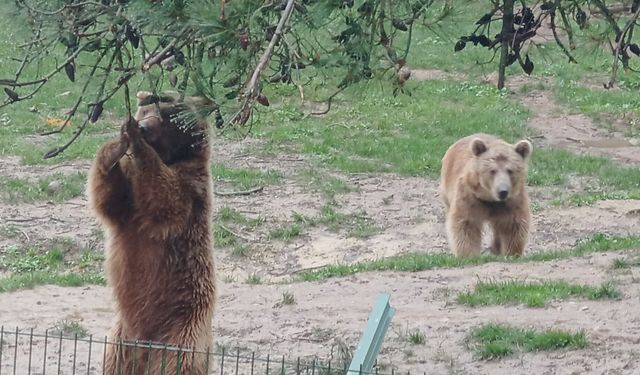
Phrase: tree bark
(507, 29)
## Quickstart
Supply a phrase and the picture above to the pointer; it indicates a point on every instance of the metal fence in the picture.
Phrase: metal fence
(23, 352)
(27, 352)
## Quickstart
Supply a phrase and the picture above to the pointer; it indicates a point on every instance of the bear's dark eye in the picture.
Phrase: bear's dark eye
(493, 172)
(510, 171)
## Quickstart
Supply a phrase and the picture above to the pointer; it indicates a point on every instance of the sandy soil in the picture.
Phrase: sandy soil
(333, 312)
(336, 310)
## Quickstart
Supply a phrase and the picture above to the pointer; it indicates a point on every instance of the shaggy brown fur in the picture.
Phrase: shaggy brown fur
(155, 204)
(483, 180)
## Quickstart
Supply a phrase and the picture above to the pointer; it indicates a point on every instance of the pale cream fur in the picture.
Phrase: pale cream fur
(476, 171)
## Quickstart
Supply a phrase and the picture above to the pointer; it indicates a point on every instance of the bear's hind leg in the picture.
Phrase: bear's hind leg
(114, 357)
(185, 360)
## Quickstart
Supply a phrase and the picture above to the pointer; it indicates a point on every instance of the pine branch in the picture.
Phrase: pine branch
(162, 55)
(61, 9)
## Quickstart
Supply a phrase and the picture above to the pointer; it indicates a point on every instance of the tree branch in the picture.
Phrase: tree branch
(156, 59)
(38, 82)
(603, 8)
(73, 110)
(557, 39)
(58, 150)
(618, 49)
(252, 91)
(25, 59)
(567, 27)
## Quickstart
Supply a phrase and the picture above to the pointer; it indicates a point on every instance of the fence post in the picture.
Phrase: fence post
(372, 337)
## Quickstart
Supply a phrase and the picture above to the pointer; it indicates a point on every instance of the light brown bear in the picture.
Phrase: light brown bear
(152, 190)
(483, 181)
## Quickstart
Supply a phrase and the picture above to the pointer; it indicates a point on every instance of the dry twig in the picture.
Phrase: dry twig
(241, 192)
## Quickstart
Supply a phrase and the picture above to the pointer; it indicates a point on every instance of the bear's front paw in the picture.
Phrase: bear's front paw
(132, 130)
(113, 152)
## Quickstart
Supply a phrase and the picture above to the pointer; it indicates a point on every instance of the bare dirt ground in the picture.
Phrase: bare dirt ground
(328, 313)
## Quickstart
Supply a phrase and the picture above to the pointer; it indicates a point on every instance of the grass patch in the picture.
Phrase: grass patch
(360, 226)
(419, 261)
(590, 197)
(20, 190)
(596, 102)
(241, 250)
(378, 132)
(32, 279)
(554, 166)
(231, 215)
(288, 299)
(224, 231)
(254, 279)
(355, 224)
(229, 279)
(90, 260)
(412, 336)
(19, 260)
(71, 328)
(244, 178)
(329, 186)
(227, 214)
(416, 337)
(286, 232)
(533, 294)
(223, 237)
(497, 340)
(626, 263)
(31, 267)
(610, 180)
(9, 231)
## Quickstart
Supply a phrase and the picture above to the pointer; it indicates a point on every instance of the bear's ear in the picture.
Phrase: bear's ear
(198, 101)
(524, 148)
(478, 147)
(142, 95)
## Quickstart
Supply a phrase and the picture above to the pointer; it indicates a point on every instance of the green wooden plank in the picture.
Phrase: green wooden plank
(372, 337)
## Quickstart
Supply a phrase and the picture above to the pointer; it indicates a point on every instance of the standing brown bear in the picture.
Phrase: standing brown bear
(152, 190)
(483, 180)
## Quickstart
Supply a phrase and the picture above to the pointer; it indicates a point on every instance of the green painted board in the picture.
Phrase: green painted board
(372, 337)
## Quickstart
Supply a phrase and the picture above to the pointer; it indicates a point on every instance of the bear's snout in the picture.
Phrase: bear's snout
(502, 192)
(143, 127)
